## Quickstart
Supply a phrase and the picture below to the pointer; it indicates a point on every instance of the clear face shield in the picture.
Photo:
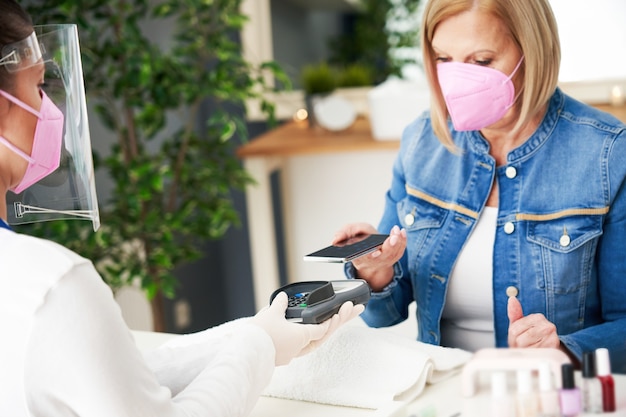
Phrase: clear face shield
(69, 192)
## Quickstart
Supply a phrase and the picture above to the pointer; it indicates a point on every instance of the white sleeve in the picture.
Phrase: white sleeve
(82, 360)
(178, 362)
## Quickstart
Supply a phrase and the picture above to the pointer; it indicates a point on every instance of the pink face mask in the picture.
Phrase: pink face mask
(476, 96)
(46, 153)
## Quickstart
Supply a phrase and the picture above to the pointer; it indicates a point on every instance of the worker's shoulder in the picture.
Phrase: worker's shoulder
(21, 254)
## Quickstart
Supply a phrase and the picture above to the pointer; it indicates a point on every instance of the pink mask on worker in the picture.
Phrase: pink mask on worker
(46, 154)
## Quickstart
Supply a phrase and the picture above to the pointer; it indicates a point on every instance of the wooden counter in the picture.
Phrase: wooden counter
(617, 111)
(296, 138)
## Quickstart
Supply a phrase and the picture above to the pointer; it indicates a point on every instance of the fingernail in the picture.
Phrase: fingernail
(393, 240)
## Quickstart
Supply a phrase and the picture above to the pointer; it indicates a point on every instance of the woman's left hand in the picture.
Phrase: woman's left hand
(533, 330)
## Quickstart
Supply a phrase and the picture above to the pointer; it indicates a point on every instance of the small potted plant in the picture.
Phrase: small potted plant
(354, 83)
(355, 75)
(318, 80)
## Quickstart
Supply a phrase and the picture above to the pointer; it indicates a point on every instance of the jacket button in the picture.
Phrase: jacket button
(511, 172)
(509, 228)
(565, 240)
(511, 291)
(409, 219)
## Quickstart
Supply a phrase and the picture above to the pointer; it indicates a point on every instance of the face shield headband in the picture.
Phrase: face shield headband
(69, 192)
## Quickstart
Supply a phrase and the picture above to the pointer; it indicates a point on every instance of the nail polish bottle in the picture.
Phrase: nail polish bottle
(502, 404)
(591, 389)
(548, 396)
(569, 395)
(527, 404)
(603, 370)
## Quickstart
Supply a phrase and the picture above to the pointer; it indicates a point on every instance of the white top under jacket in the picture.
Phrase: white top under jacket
(467, 319)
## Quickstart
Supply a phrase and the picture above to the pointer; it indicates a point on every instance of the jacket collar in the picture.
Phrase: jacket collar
(479, 144)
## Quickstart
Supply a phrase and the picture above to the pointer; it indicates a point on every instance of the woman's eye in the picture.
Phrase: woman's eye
(442, 59)
(483, 62)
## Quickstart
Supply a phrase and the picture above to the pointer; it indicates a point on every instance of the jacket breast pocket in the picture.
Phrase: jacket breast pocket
(421, 220)
(564, 250)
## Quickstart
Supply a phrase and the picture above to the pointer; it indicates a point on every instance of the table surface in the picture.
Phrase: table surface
(443, 399)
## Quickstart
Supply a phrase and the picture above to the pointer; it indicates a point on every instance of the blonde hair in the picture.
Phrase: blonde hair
(532, 27)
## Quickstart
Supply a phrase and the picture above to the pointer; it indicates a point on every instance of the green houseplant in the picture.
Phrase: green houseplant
(172, 171)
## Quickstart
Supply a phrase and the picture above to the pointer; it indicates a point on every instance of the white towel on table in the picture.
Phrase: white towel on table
(366, 368)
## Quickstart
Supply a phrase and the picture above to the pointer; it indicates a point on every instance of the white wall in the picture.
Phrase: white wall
(593, 45)
(593, 39)
(322, 193)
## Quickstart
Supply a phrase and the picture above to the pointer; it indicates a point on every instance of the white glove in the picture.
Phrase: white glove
(295, 339)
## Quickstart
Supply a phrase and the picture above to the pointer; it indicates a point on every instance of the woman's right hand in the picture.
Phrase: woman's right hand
(377, 267)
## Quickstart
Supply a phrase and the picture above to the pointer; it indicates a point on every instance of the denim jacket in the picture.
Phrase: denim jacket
(560, 240)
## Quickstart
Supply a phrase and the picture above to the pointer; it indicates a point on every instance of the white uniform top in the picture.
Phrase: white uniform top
(66, 351)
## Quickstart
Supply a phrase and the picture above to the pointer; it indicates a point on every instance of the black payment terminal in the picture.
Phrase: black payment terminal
(312, 302)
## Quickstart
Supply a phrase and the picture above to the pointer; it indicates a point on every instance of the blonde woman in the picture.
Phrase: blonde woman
(507, 208)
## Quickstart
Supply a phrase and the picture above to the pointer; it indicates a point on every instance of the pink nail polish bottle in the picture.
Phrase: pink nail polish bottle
(569, 395)
(603, 370)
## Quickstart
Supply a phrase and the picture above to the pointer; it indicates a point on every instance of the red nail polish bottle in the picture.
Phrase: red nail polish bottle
(603, 370)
